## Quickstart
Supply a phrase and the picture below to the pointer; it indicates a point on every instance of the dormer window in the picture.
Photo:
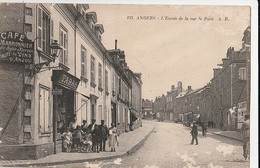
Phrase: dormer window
(91, 20)
(99, 30)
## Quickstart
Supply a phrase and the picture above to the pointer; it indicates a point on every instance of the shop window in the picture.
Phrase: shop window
(64, 45)
(83, 62)
(43, 31)
(92, 70)
(44, 111)
(242, 73)
(100, 76)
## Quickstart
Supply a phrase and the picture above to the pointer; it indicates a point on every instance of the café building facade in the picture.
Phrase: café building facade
(56, 71)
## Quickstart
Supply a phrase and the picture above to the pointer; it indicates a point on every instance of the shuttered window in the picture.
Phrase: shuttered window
(44, 111)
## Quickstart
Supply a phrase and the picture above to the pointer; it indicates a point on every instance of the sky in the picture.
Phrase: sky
(168, 51)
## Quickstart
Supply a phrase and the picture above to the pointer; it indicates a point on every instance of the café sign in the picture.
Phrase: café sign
(16, 48)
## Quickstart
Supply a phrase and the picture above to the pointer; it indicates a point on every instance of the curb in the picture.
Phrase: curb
(227, 137)
(131, 151)
(137, 146)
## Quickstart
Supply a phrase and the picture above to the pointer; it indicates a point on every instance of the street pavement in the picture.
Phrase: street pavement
(169, 147)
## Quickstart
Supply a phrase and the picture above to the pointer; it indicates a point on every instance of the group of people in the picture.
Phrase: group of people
(90, 138)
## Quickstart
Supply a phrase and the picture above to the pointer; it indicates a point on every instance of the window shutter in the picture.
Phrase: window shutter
(48, 37)
(66, 48)
(39, 29)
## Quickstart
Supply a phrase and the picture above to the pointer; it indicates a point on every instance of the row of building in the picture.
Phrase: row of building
(54, 69)
(224, 100)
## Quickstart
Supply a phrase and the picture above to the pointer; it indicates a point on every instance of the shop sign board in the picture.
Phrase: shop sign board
(65, 79)
(16, 48)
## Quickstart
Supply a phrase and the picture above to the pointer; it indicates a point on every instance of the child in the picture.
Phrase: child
(67, 136)
(87, 141)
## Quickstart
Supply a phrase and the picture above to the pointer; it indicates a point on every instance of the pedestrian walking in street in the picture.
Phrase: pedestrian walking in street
(204, 129)
(104, 135)
(246, 133)
(194, 133)
(96, 138)
(113, 137)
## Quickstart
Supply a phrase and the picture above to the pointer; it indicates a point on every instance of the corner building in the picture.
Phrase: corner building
(38, 100)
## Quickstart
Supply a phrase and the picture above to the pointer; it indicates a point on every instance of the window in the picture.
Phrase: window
(45, 113)
(106, 81)
(99, 75)
(100, 111)
(92, 70)
(83, 113)
(242, 73)
(63, 45)
(83, 62)
(113, 81)
(27, 27)
(28, 11)
(43, 31)
(119, 86)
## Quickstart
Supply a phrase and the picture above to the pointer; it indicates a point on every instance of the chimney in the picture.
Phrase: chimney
(189, 88)
(116, 44)
(172, 87)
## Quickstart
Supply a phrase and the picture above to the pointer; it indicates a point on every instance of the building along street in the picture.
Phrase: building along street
(169, 146)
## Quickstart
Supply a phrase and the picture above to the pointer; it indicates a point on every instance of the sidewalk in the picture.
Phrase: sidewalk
(129, 143)
(228, 134)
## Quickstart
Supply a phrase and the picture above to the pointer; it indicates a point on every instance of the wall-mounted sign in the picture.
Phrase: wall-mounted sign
(15, 47)
(65, 79)
(57, 91)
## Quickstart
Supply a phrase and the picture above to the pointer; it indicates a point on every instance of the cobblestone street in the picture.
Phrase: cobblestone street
(169, 146)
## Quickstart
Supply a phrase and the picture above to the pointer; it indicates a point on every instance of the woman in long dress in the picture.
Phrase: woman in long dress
(113, 137)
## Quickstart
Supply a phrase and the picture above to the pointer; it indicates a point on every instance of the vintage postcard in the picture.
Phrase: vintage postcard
(128, 85)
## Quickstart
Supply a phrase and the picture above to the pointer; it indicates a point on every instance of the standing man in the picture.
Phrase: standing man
(104, 135)
(194, 133)
(96, 138)
(246, 131)
(91, 128)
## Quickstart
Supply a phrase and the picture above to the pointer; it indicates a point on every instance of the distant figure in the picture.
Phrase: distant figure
(104, 135)
(204, 129)
(194, 133)
(91, 128)
(113, 137)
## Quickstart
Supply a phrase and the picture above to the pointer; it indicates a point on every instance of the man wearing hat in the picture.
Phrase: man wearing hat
(91, 128)
(104, 135)
(194, 133)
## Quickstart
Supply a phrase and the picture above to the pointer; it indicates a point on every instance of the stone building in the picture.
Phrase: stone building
(229, 86)
(159, 106)
(54, 69)
(170, 97)
(147, 109)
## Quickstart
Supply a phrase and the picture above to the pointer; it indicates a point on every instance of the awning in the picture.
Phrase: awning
(134, 115)
(64, 79)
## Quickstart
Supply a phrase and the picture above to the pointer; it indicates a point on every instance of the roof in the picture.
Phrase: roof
(182, 94)
(195, 91)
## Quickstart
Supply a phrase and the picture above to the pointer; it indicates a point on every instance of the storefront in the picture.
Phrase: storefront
(65, 86)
